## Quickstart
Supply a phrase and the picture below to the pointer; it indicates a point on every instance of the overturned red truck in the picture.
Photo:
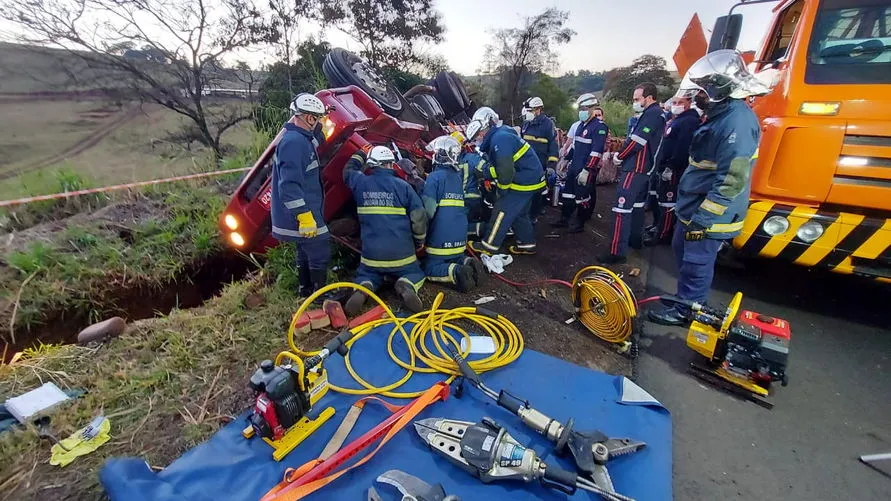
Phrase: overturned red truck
(364, 109)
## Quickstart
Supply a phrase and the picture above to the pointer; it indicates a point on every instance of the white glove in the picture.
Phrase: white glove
(616, 160)
(497, 262)
(582, 178)
(666, 174)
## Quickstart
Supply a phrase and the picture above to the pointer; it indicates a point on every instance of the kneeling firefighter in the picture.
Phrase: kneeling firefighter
(713, 194)
(447, 236)
(519, 175)
(393, 224)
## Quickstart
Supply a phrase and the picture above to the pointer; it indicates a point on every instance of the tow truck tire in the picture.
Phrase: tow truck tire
(450, 93)
(343, 68)
(428, 107)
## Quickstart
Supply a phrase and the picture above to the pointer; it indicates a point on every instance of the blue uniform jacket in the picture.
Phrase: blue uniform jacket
(514, 165)
(469, 162)
(296, 183)
(391, 215)
(714, 191)
(539, 133)
(589, 141)
(641, 146)
(676, 145)
(444, 202)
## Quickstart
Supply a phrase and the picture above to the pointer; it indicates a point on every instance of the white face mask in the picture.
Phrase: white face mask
(677, 110)
(637, 107)
(528, 115)
(694, 107)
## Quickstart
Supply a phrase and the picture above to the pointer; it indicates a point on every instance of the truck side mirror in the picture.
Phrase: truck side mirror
(725, 34)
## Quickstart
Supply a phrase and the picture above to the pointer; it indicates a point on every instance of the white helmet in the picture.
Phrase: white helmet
(308, 104)
(445, 151)
(533, 102)
(380, 156)
(722, 74)
(587, 100)
(473, 128)
(486, 116)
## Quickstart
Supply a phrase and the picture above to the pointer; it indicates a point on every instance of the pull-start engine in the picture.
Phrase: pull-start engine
(758, 348)
(279, 403)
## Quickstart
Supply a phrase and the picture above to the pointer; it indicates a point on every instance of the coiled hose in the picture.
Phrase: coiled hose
(428, 327)
(604, 304)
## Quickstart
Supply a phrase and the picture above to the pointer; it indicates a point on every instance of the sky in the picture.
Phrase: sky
(609, 33)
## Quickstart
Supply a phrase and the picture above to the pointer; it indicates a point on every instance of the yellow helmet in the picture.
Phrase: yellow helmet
(459, 136)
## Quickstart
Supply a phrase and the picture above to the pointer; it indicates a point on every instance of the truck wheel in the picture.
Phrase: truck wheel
(450, 93)
(345, 68)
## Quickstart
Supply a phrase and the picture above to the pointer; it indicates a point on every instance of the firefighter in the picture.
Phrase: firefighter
(469, 162)
(538, 130)
(671, 164)
(636, 160)
(713, 194)
(519, 175)
(393, 224)
(587, 150)
(297, 194)
(443, 200)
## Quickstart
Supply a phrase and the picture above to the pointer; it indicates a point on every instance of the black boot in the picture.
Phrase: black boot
(668, 316)
(409, 296)
(355, 303)
(479, 270)
(319, 279)
(464, 278)
(305, 277)
(611, 259)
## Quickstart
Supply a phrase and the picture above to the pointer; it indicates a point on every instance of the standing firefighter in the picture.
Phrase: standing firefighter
(447, 236)
(470, 162)
(713, 195)
(585, 156)
(519, 175)
(637, 160)
(297, 194)
(393, 224)
(538, 131)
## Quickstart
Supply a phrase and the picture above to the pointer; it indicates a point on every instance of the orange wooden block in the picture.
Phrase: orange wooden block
(335, 313)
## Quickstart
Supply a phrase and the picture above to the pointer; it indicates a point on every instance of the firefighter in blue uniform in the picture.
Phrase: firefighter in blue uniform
(587, 150)
(297, 194)
(538, 130)
(469, 162)
(636, 158)
(671, 164)
(519, 175)
(713, 195)
(393, 225)
(443, 200)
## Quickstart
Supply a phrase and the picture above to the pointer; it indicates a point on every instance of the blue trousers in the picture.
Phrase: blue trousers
(696, 264)
(631, 196)
(443, 268)
(511, 211)
(373, 277)
(312, 254)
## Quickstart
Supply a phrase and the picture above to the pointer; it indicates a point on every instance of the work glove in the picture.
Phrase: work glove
(306, 225)
(666, 174)
(616, 159)
(550, 172)
(694, 233)
(583, 177)
(552, 165)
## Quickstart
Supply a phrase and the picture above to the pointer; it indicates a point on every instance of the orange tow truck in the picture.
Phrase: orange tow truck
(821, 186)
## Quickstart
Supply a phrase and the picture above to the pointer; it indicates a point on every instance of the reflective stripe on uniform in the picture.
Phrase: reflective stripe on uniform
(472, 195)
(621, 211)
(294, 233)
(450, 202)
(638, 205)
(494, 231)
(535, 138)
(596, 154)
(553, 159)
(436, 251)
(639, 140)
(713, 207)
(703, 164)
(525, 246)
(492, 173)
(725, 227)
(667, 204)
(580, 139)
(567, 195)
(372, 209)
(449, 278)
(377, 263)
(416, 286)
(583, 200)
(525, 187)
(293, 204)
(522, 151)
(313, 165)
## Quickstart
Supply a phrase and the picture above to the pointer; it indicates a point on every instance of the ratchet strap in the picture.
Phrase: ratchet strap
(317, 473)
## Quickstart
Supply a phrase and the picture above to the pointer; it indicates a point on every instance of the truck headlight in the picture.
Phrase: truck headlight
(810, 231)
(231, 222)
(328, 127)
(236, 239)
(775, 225)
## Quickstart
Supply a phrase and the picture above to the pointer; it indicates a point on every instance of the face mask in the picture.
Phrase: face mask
(583, 115)
(677, 110)
(701, 102)
(599, 117)
(528, 115)
(637, 107)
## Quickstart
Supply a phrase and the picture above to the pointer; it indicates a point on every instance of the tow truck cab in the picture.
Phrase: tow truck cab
(821, 186)
(354, 120)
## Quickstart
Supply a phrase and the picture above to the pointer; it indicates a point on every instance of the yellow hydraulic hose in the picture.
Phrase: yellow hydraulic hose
(431, 327)
(604, 304)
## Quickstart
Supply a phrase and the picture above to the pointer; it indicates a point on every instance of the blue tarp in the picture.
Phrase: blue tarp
(229, 467)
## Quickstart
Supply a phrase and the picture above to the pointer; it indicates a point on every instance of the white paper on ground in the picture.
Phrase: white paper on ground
(482, 345)
(34, 401)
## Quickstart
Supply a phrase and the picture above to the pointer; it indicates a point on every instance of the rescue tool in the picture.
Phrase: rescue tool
(745, 351)
(591, 450)
(286, 394)
(488, 452)
(411, 487)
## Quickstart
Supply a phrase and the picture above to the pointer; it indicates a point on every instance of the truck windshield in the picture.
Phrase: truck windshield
(851, 43)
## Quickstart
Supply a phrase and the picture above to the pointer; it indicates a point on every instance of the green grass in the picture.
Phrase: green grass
(61, 180)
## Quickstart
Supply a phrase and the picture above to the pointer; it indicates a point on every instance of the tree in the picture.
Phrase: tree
(620, 82)
(556, 101)
(182, 43)
(391, 32)
(282, 82)
(515, 52)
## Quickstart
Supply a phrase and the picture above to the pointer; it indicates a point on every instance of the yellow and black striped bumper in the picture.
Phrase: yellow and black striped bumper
(850, 243)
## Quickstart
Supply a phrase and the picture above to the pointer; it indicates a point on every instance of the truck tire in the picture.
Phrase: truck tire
(343, 68)
(450, 93)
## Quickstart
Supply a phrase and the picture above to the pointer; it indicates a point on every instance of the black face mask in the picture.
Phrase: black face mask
(702, 102)
(317, 133)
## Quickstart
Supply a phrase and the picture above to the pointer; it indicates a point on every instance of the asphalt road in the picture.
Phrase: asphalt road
(837, 405)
